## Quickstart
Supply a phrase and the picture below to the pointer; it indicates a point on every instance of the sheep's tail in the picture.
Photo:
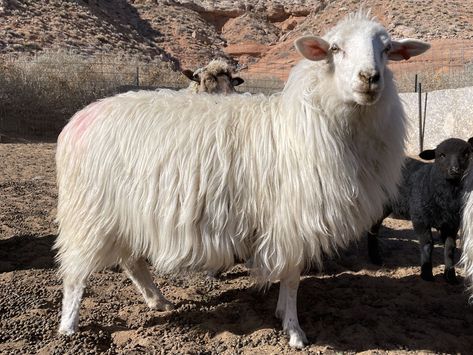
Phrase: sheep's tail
(467, 245)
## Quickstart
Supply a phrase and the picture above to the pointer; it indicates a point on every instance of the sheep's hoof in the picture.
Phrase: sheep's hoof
(212, 275)
(426, 272)
(66, 331)
(168, 307)
(297, 338)
(450, 277)
(161, 305)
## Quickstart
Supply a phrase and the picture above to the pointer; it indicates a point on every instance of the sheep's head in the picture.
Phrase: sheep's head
(452, 157)
(356, 52)
(214, 78)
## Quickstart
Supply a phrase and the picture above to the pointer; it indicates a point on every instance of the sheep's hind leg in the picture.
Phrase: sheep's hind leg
(449, 254)
(290, 322)
(138, 271)
(282, 299)
(373, 238)
(70, 306)
(426, 247)
(373, 244)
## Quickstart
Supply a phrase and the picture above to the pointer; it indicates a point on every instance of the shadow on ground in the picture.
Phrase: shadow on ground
(348, 312)
(24, 252)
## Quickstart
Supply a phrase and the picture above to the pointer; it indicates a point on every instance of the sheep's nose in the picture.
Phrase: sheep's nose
(369, 76)
(454, 170)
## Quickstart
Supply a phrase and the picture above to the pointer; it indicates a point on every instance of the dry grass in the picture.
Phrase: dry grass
(39, 94)
(264, 84)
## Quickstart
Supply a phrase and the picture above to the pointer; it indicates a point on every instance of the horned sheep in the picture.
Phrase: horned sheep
(193, 182)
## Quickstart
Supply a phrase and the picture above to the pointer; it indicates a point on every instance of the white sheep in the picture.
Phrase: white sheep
(467, 231)
(193, 182)
(215, 78)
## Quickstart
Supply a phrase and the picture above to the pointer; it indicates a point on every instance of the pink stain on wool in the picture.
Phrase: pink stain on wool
(81, 121)
(85, 119)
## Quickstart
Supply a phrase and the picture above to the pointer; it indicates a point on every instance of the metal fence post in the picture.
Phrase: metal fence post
(423, 120)
(421, 136)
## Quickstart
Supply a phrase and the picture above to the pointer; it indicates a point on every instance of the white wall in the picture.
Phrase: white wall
(449, 114)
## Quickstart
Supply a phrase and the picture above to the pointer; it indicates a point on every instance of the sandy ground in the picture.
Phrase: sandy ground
(351, 307)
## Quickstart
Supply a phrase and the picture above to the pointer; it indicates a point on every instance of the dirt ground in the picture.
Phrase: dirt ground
(350, 307)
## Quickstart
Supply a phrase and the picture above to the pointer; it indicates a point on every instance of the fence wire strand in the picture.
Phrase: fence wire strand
(38, 95)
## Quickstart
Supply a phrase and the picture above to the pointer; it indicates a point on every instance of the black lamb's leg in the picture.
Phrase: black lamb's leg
(449, 255)
(373, 238)
(373, 245)
(426, 247)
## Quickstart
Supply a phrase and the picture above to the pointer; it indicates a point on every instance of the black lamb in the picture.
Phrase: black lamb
(431, 196)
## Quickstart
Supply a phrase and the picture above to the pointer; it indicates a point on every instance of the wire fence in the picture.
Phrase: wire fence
(38, 95)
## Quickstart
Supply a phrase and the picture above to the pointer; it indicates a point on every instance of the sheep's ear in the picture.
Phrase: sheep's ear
(428, 154)
(189, 74)
(237, 81)
(312, 47)
(196, 76)
(470, 141)
(407, 48)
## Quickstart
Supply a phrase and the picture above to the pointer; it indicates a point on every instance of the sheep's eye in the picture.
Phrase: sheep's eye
(441, 155)
(388, 48)
(334, 48)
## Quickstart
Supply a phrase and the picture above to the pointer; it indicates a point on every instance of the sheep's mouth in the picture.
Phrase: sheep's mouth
(454, 176)
(366, 97)
(367, 92)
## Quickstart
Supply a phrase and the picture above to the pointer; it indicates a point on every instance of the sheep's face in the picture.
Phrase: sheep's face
(356, 53)
(358, 59)
(452, 157)
(221, 82)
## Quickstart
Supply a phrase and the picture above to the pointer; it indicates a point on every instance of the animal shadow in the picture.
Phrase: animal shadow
(24, 252)
(398, 248)
(349, 312)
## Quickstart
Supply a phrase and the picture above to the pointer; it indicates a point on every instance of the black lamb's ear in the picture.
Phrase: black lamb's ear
(428, 154)
(470, 141)
(237, 81)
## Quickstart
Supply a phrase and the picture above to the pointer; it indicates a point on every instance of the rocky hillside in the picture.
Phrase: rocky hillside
(257, 35)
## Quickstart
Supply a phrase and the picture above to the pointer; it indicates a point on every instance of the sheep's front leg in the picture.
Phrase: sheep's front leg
(449, 254)
(426, 247)
(287, 309)
(138, 272)
(70, 306)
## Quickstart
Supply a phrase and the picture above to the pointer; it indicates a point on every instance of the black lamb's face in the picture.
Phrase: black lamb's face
(452, 158)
